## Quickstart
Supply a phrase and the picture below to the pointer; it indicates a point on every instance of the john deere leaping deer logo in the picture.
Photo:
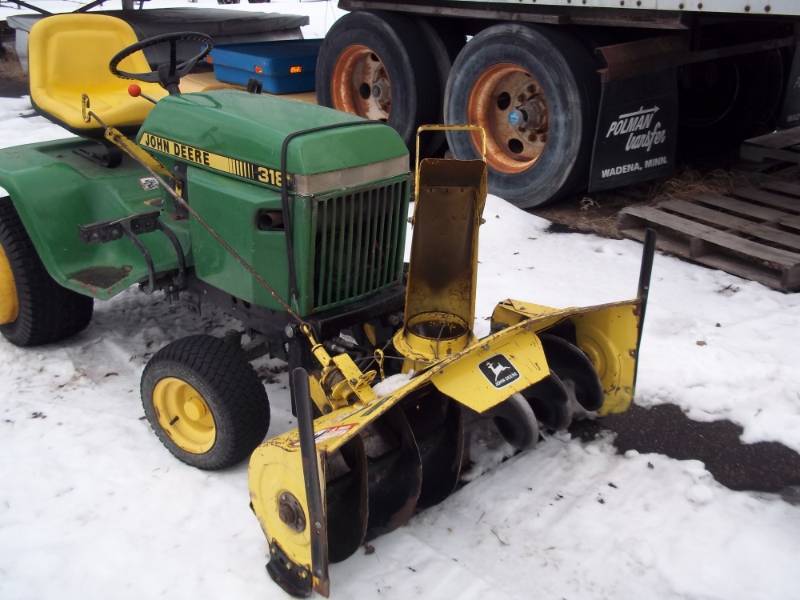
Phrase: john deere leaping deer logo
(496, 369)
(499, 370)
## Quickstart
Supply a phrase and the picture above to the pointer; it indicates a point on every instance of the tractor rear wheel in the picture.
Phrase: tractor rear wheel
(205, 402)
(534, 91)
(34, 309)
(376, 65)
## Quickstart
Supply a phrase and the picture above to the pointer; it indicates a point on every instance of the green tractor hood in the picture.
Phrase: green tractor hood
(242, 134)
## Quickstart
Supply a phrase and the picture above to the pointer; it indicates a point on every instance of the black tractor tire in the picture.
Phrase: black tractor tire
(228, 384)
(48, 312)
(567, 74)
(395, 40)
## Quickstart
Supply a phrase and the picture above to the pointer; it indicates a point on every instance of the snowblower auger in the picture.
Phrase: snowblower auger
(372, 456)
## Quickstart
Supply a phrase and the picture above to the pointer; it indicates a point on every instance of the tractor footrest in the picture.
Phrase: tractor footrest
(109, 231)
(101, 277)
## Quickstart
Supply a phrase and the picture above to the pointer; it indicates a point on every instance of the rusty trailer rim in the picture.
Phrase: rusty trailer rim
(509, 103)
(360, 84)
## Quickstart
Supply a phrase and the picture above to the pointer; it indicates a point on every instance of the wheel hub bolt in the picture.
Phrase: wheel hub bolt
(290, 512)
(516, 118)
(286, 513)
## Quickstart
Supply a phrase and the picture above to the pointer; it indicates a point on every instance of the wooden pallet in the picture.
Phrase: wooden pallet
(753, 232)
(781, 145)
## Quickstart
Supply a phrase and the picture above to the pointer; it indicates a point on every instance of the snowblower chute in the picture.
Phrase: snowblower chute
(373, 456)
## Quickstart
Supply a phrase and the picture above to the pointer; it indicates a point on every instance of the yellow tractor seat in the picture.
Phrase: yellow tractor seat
(68, 56)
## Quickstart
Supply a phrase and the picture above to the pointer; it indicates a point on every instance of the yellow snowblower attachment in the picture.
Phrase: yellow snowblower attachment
(362, 460)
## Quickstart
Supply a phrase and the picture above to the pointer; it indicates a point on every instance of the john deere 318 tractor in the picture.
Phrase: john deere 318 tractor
(292, 218)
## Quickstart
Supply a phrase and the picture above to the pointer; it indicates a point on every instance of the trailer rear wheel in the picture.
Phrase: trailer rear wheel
(373, 65)
(726, 101)
(534, 91)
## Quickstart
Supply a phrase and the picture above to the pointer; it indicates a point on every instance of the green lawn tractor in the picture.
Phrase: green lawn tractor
(291, 218)
(222, 192)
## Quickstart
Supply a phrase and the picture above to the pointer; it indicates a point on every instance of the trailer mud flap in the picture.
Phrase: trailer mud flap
(637, 126)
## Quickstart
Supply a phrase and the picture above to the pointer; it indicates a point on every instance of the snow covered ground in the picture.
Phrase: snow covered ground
(92, 507)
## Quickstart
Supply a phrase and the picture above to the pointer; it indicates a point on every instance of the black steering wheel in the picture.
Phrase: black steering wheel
(168, 74)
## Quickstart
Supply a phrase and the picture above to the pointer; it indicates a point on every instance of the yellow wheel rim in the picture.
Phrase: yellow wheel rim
(184, 415)
(9, 301)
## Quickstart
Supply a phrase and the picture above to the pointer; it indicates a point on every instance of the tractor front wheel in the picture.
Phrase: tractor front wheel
(34, 309)
(205, 402)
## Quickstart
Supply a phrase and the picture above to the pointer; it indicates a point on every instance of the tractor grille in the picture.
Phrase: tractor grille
(359, 242)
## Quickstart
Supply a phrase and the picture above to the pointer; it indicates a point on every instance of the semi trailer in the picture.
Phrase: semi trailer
(574, 95)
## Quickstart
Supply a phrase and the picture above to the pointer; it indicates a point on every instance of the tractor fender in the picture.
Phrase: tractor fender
(55, 191)
(14, 189)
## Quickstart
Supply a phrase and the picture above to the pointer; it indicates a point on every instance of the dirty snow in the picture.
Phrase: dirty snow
(92, 507)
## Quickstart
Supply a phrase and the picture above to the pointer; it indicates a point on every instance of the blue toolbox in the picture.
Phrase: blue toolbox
(283, 67)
